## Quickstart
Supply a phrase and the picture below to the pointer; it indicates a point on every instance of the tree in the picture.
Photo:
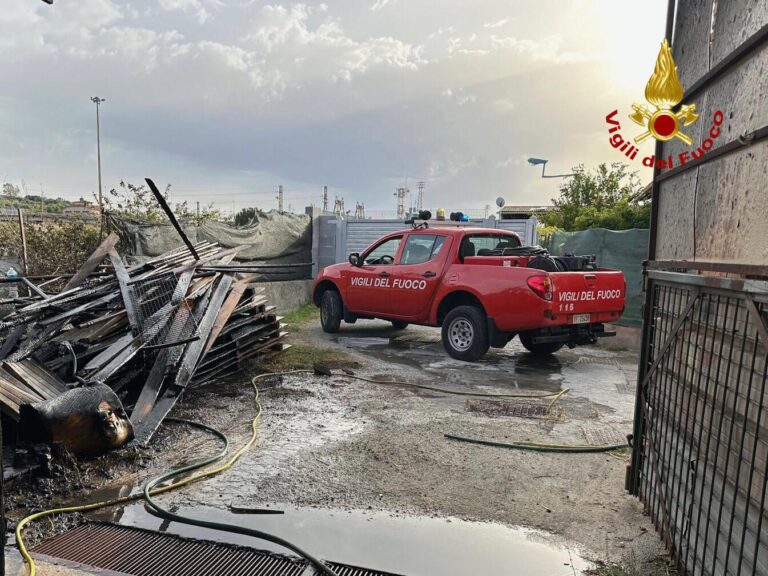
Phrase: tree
(245, 216)
(182, 211)
(11, 190)
(603, 198)
(138, 203)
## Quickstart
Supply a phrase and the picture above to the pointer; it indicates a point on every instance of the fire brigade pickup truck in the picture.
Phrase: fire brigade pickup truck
(480, 285)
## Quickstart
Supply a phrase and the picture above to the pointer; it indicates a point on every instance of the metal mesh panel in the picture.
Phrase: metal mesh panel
(162, 321)
(701, 433)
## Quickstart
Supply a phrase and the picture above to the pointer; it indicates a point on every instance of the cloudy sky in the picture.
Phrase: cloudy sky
(226, 99)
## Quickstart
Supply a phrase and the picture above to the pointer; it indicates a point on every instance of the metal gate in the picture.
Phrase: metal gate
(700, 458)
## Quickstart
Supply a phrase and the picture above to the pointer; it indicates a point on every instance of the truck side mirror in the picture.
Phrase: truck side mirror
(354, 259)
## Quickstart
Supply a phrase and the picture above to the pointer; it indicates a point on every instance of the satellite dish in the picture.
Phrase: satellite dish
(500, 202)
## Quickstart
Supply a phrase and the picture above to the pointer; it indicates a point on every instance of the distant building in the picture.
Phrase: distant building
(81, 207)
(523, 212)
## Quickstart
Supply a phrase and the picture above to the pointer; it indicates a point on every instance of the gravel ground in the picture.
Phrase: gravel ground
(335, 442)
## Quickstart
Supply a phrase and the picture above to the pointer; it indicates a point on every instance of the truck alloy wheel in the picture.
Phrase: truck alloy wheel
(465, 333)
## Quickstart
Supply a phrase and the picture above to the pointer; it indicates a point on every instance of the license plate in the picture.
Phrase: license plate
(581, 318)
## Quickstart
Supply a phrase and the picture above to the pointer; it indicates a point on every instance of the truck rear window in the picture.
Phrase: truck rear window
(487, 244)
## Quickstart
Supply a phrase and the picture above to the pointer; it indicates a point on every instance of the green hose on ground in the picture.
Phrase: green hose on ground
(164, 513)
(151, 489)
(536, 447)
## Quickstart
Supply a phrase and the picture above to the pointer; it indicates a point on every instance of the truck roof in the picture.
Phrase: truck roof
(454, 231)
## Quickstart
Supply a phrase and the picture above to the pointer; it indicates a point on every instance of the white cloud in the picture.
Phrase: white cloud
(497, 24)
(460, 96)
(513, 161)
(548, 48)
(504, 104)
(198, 8)
(300, 46)
(379, 4)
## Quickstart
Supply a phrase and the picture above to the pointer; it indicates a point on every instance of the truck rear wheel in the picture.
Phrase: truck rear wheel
(541, 348)
(465, 333)
(331, 311)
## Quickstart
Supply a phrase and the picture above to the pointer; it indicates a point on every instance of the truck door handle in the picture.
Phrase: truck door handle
(429, 275)
(384, 273)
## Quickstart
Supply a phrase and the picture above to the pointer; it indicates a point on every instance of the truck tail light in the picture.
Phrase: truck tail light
(541, 286)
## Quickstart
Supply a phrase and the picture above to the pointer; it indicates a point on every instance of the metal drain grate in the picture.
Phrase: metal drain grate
(598, 435)
(508, 408)
(624, 387)
(139, 552)
(593, 360)
(344, 570)
(142, 552)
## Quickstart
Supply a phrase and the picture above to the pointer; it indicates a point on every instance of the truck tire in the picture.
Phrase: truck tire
(465, 333)
(540, 349)
(399, 325)
(331, 311)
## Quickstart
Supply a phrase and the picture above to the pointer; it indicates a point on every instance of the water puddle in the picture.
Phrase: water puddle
(407, 545)
(508, 367)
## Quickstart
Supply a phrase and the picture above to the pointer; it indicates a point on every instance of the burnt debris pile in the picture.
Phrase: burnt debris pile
(147, 331)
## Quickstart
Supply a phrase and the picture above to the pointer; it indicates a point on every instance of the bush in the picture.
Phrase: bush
(52, 248)
(603, 198)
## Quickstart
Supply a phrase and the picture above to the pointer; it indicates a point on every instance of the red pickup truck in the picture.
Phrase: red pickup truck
(480, 285)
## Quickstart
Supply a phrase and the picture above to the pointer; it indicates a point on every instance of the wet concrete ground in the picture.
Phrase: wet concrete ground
(365, 475)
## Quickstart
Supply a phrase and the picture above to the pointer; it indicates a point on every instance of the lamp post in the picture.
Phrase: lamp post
(537, 161)
(96, 100)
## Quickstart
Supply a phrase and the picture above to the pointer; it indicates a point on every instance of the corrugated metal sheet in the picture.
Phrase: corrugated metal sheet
(362, 233)
(522, 228)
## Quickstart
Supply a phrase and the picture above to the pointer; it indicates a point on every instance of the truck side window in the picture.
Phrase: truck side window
(384, 253)
(420, 248)
(439, 242)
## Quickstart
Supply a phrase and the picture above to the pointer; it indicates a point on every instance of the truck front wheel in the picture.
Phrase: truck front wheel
(541, 348)
(465, 333)
(331, 311)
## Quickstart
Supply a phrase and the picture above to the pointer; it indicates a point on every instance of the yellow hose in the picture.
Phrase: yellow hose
(30, 562)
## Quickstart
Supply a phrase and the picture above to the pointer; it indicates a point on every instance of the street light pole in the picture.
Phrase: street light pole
(96, 100)
(537, 161)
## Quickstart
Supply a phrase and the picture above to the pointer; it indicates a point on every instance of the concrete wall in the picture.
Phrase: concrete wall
(718, 211)
(287, 296)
